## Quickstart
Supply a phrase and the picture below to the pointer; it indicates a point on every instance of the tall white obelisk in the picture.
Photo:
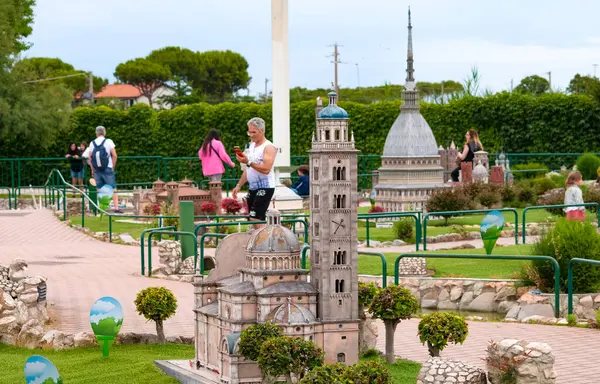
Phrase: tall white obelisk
(284, 198)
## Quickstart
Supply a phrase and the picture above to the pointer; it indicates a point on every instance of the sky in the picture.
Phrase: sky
(506, 40)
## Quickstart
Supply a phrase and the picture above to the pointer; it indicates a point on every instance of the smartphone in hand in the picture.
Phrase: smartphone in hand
(238, 151)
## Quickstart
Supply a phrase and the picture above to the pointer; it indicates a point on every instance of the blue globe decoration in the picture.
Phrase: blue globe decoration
(38, 369)
(491, 227)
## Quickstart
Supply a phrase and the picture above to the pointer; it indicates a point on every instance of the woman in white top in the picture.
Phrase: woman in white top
(573, 196)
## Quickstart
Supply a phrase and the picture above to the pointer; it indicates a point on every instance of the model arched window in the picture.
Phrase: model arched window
(341, 357)
(343, 173)
(316, 229)
(316, 173)
(316, 201)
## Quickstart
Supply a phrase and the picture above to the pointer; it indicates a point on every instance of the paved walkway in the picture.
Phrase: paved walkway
(81, 269)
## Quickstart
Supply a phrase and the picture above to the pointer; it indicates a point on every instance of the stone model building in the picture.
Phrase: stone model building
(273, 287)
(175, 192)
(411, 167)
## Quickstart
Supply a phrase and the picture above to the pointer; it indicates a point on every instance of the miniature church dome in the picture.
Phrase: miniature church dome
(274, 237)
(273, 247)
(333, 111)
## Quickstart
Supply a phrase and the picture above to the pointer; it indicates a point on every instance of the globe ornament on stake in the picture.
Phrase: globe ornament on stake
(491, 227)
(106, 318)
(38, 369)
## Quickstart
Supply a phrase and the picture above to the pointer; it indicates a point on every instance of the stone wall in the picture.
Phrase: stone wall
(437, 370)
(463, 294)
(23, 305)
(533, 362)
(171, 265)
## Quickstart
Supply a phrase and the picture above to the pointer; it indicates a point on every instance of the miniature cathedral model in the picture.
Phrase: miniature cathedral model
(272, 286)
(411, 167)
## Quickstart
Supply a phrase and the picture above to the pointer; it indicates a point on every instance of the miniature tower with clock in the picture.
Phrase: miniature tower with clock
(334, 253)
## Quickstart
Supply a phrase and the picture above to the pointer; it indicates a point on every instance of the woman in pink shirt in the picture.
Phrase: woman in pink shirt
(212, 155)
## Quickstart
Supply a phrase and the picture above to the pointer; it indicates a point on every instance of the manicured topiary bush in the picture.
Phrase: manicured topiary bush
(156, 304)
(439, 329)
(587, 164)
(252, 338)
(392, 305)
(403, 229)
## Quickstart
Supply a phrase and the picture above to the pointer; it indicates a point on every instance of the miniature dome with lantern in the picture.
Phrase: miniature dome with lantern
(273, 246)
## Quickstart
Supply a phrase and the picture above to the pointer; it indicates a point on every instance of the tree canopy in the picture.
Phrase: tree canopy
(144, 74)
(585, 85)
(38, 68)
(29, 116)
(533, 85)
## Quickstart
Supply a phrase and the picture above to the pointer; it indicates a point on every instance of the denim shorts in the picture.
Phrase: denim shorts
(77, 174)
(105, 177)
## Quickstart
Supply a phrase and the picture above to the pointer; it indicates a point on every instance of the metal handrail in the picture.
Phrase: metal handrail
(597, 205)
(454, 213)
(9, 197)
(305, 249)
(169, 233)
(489, 257)
(204, 236)
(570, 279)
(150, 244)
(383, 265)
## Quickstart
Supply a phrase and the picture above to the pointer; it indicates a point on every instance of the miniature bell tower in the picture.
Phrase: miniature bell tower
(334, 253)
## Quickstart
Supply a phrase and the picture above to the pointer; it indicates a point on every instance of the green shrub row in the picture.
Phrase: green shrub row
(508, 121)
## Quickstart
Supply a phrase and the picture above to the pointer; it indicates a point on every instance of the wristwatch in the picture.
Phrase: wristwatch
(249, 163)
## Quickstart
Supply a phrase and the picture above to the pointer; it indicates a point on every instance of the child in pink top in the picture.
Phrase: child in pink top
(212, 155)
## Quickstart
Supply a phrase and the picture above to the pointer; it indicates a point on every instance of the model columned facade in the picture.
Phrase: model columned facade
(411, 167)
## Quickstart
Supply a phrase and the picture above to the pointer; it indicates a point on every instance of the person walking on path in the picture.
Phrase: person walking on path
(103, 159)
(468, 154)
(259, 172)
(212, 154)
(573, 196)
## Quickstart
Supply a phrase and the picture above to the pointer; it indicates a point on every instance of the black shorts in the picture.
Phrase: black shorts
(258, 202)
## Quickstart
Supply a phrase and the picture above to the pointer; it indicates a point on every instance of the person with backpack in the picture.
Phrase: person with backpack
(212, 154)
(103, 159)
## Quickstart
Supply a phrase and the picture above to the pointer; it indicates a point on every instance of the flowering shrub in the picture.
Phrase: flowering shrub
(152, 209)
(376, 209)
(208, 208)
(231, 206)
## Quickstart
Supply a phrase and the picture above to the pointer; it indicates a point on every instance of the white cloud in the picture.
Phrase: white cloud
(34, 368)
(103, 306)
(97, 318)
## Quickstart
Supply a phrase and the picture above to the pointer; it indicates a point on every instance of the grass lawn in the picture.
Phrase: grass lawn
(402, 371)
(126, 364)
(497, 269)
(131, 364)
(97, 224)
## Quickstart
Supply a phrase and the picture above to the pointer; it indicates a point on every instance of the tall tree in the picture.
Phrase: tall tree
(585, 85)
(144, 74)
(30, 119)
(183, 64)
(38, 68)
(533, 85)
(222, 73)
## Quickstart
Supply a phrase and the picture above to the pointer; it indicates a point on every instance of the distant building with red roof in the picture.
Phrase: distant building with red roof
(130, 95)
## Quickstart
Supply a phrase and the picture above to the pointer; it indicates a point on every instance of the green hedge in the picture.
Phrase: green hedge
(516, 123)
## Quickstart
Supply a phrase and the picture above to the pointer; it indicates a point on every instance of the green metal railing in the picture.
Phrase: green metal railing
(524, 231)
(414, 214)
(170, 227)
(202, 238)
(383, 265)
(231, 223)
(9, 197)
(572, 262)
(303, 252)
(488, 257)
(180, 233)
(462, 213)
